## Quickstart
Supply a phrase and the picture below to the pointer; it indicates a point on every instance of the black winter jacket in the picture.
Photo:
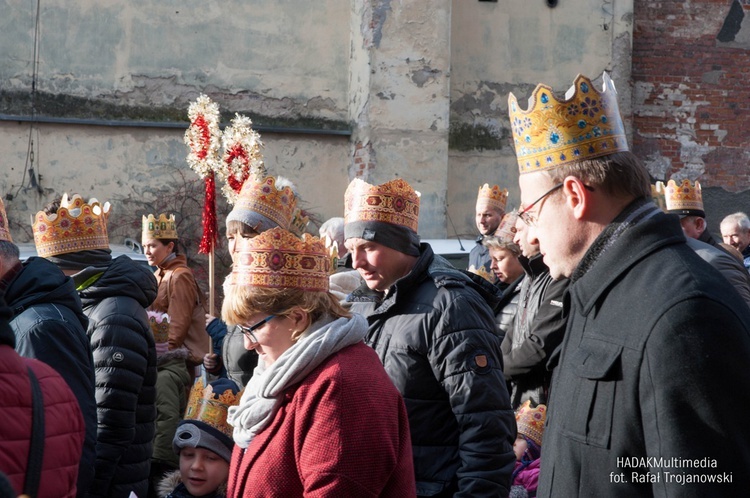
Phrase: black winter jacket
(436, 336)
(125, 366)
(653, 360)
(50, 326)
(537, 330)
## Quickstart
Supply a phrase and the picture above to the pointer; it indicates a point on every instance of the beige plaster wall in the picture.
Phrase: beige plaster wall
(510, 46)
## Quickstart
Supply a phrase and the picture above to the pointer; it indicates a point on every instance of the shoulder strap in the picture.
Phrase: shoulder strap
(36, 446)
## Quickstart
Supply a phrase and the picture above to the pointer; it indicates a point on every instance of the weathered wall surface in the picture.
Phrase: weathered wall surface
(510, 46)
(690, 69)
(141, 63)
(387, 89)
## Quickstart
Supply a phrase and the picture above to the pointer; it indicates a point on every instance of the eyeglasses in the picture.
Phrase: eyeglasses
(529, 218)
(248, 331)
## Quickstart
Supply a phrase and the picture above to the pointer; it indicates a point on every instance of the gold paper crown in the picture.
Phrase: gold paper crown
(4, 225)
(394, 202)
(77, 226)
(530, 421)
(299, 222)
(506, 230)
(159, 323)
(162, 227)
(684, 198)
(279, 259)
(483, 272)
(211, 408)
(657, 194)
(263, 197)
(493, 196)
(550, 133)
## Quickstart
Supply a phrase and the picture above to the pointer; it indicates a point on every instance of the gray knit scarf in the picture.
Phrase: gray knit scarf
(264, 392)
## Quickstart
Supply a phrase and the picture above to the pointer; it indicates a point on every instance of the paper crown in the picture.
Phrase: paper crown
(506, 230)
(262, 204)
(684, 198)
(159, 323)
(77, 226)
(530, 421)
(4, 225)
(551, 132)
(394, 202)
(211, 407)
(299, 222)
(162, 227)
(657, 194)
(493, 196)
(278, 259)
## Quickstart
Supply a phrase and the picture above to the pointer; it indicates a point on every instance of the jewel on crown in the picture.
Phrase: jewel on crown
(506, 230)
(552, 132)
(210, 407)
(278, 258)
(77, 226)
(159, 323)
(493, 195)
(393, 202)
(163, 227)
(273, 198)
(684, 197)
(530, 421)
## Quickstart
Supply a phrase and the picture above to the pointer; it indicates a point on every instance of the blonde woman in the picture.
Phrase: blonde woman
(319, 416)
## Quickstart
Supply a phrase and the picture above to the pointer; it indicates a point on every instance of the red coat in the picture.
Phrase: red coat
(343, 431)
(63, 425)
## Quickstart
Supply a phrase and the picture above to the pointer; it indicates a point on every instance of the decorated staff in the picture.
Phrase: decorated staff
(242, 157)
(203, 137)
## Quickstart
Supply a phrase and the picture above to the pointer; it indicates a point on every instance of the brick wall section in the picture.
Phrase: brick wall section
(364, 160)
(691, 93)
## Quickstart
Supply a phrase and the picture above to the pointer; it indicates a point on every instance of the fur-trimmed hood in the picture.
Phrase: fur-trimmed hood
(171, 480)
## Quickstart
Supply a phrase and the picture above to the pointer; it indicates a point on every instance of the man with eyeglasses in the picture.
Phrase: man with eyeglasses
(538, 326)
(656, 343)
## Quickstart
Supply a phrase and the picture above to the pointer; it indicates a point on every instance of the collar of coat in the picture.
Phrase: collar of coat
(428, 266)
(641, 229)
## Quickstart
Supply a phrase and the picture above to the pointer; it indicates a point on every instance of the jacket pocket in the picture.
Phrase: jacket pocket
(595, 368)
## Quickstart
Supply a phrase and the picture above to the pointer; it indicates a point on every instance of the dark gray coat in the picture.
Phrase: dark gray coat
(436, 336)
(653, 361)
(125, 368)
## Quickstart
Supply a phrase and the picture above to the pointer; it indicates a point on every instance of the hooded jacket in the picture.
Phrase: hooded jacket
(63, 425)
(50, 326)
(436, 335)
(114, 298)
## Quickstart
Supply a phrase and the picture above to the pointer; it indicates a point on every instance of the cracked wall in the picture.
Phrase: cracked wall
(690, 111)
(504, 47)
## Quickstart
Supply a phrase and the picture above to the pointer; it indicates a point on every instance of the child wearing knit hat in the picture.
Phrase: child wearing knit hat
(203, 441)
(528, 449)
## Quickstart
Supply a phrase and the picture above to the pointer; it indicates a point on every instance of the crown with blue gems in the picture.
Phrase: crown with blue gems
(551, 132)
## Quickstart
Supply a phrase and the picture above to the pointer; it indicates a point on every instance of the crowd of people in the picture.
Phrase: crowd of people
(596, 345)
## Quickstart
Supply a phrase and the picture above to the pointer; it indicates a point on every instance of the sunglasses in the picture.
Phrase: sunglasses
(248, 331)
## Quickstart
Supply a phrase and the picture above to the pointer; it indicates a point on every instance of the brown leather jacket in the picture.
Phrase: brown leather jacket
(180, 297)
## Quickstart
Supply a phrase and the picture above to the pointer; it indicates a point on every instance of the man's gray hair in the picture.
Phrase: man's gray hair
(739, 218)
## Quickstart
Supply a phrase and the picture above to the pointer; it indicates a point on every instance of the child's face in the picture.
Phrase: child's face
(202, 470)
(519, 447)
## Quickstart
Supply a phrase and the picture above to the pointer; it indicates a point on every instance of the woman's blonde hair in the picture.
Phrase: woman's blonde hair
(244, 301)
